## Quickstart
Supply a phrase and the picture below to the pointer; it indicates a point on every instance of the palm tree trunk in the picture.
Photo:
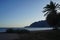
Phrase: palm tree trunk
(55, 27)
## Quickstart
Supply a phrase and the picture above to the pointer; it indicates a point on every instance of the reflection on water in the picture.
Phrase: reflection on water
(34, 29)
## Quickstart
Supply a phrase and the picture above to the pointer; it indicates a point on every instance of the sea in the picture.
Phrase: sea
(30, 29)
(36, 29)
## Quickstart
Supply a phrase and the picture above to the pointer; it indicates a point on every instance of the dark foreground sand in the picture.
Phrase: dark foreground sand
(8, 36)
(36, 35)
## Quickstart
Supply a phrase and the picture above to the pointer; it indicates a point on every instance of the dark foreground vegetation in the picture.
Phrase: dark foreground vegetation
(35, 35)
(40, 35)
(10, 30)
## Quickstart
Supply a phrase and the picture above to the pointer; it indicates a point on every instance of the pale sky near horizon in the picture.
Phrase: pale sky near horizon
(20, 13)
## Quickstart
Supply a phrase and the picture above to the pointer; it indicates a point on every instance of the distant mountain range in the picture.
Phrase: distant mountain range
(39, 24)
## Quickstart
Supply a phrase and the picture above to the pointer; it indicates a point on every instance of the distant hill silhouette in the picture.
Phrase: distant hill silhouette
(42, 23)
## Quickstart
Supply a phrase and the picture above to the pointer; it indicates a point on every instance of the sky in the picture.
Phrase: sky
(21, 13)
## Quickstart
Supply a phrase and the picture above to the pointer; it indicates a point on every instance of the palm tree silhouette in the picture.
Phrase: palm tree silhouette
(51, 13)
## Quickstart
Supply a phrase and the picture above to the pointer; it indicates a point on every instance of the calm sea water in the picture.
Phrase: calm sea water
(31, 29)
(35, 29)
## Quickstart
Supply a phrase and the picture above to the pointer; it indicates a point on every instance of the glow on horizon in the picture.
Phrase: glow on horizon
(20, 13)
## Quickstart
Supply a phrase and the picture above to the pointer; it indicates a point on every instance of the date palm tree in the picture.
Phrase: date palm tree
(51, 14)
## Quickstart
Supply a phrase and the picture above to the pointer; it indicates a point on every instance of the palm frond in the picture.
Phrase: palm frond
(46, 13)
